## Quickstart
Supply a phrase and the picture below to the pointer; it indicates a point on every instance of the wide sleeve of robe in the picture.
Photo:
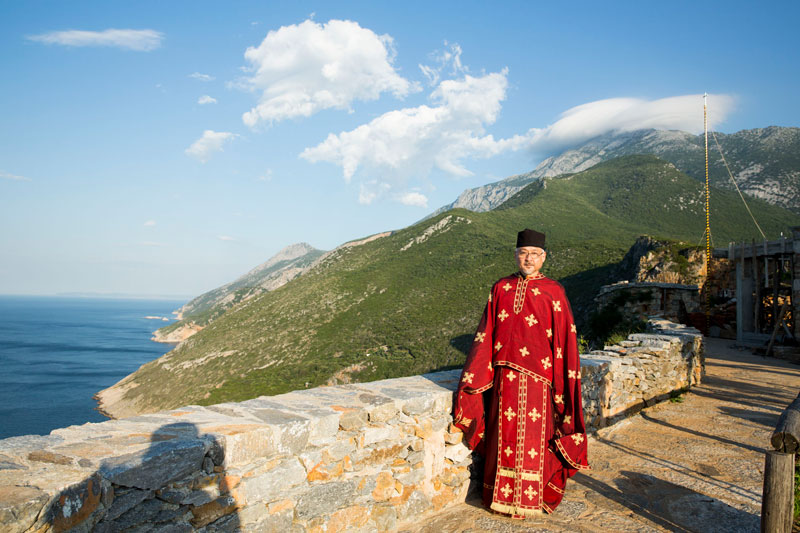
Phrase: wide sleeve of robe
(570, 430)
(476, 378)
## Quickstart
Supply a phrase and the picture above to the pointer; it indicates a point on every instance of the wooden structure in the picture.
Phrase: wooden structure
(767, 277)
(778, 498)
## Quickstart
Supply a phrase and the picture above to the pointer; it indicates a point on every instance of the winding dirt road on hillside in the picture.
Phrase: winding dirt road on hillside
(694, 465)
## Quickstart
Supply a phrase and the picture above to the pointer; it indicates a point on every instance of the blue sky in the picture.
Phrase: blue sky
(165, 148)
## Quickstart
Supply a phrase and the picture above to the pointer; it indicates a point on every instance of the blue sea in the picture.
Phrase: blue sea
(56, 353)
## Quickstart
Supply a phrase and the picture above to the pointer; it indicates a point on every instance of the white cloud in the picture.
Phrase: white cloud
(150, 223)
(201, 77)
(205, 99)
(14, 177)
(226, 238)
(413, 198)
(139, 40)
(583, 122)
(412, 141)
(304, 68)
(449, 56)
(266, 176)
(211, 141)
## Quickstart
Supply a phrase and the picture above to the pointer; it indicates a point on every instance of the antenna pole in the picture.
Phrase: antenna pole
(708, 219)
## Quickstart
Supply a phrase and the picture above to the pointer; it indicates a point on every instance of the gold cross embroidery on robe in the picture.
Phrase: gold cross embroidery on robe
(559, 398)
(508, 451)
(568, 419)
(530, 493)
(506, 490)
(534, 414)
(480, 336)
(524, 351)
(507, 286)
(546, 363)
(573, 329)
(511, 377)
(556, 305)
(572, 374)
(577, 438)
(510, 414)
(559, 353)
(533, 453)
(536, 292)
(497, 346)
(468, 377)
(502, 315)
(531, 320)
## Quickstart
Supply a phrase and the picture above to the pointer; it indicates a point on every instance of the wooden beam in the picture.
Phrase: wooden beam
(777, 501)
(786, 438)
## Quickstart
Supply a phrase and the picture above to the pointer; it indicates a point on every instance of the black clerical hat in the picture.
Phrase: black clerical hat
(528, 237)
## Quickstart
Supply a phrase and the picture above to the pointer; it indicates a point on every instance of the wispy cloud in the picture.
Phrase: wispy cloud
(14, 177)
(266, 176)
(450, 57)
(150, 223)
(201, 77)
(138, 40)
(211, 141)
(226, 238)
(205, 99)
(304, 68)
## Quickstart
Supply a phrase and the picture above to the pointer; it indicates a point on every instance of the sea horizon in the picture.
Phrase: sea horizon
(58, 351)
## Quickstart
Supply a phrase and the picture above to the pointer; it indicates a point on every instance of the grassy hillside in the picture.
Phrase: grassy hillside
(409, 302)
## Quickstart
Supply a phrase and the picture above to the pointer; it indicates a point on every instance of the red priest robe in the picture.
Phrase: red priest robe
(532, 433)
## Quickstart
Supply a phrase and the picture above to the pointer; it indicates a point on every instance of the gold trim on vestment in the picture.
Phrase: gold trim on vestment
(525, 371)
(527, 476)
(513, 509)
(572, 463)
(477, 391)
(549, 484)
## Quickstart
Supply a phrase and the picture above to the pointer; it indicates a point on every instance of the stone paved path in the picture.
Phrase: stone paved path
(695, 465)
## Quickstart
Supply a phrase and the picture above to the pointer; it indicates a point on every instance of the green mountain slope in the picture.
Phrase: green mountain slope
(409, 302)
(765, 163)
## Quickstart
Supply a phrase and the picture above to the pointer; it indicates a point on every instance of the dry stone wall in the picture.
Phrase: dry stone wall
(363, 457)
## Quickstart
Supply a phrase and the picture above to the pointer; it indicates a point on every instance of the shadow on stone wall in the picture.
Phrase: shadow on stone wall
(176, 484)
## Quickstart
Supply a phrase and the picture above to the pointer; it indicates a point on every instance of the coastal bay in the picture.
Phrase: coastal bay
(58, 352)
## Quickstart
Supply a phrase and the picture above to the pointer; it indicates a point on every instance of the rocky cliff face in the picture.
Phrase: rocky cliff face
(654, 261)
(765, 163)
(280, 269)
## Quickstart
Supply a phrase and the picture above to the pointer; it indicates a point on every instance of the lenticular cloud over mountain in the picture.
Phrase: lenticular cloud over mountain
(586, 121)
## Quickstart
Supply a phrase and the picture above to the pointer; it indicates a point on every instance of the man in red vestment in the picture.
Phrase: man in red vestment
(519, 400)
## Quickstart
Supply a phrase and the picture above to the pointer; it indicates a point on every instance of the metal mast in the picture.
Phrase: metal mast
(708, 219)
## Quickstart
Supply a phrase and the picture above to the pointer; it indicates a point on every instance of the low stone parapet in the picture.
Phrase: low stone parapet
(362, 457)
